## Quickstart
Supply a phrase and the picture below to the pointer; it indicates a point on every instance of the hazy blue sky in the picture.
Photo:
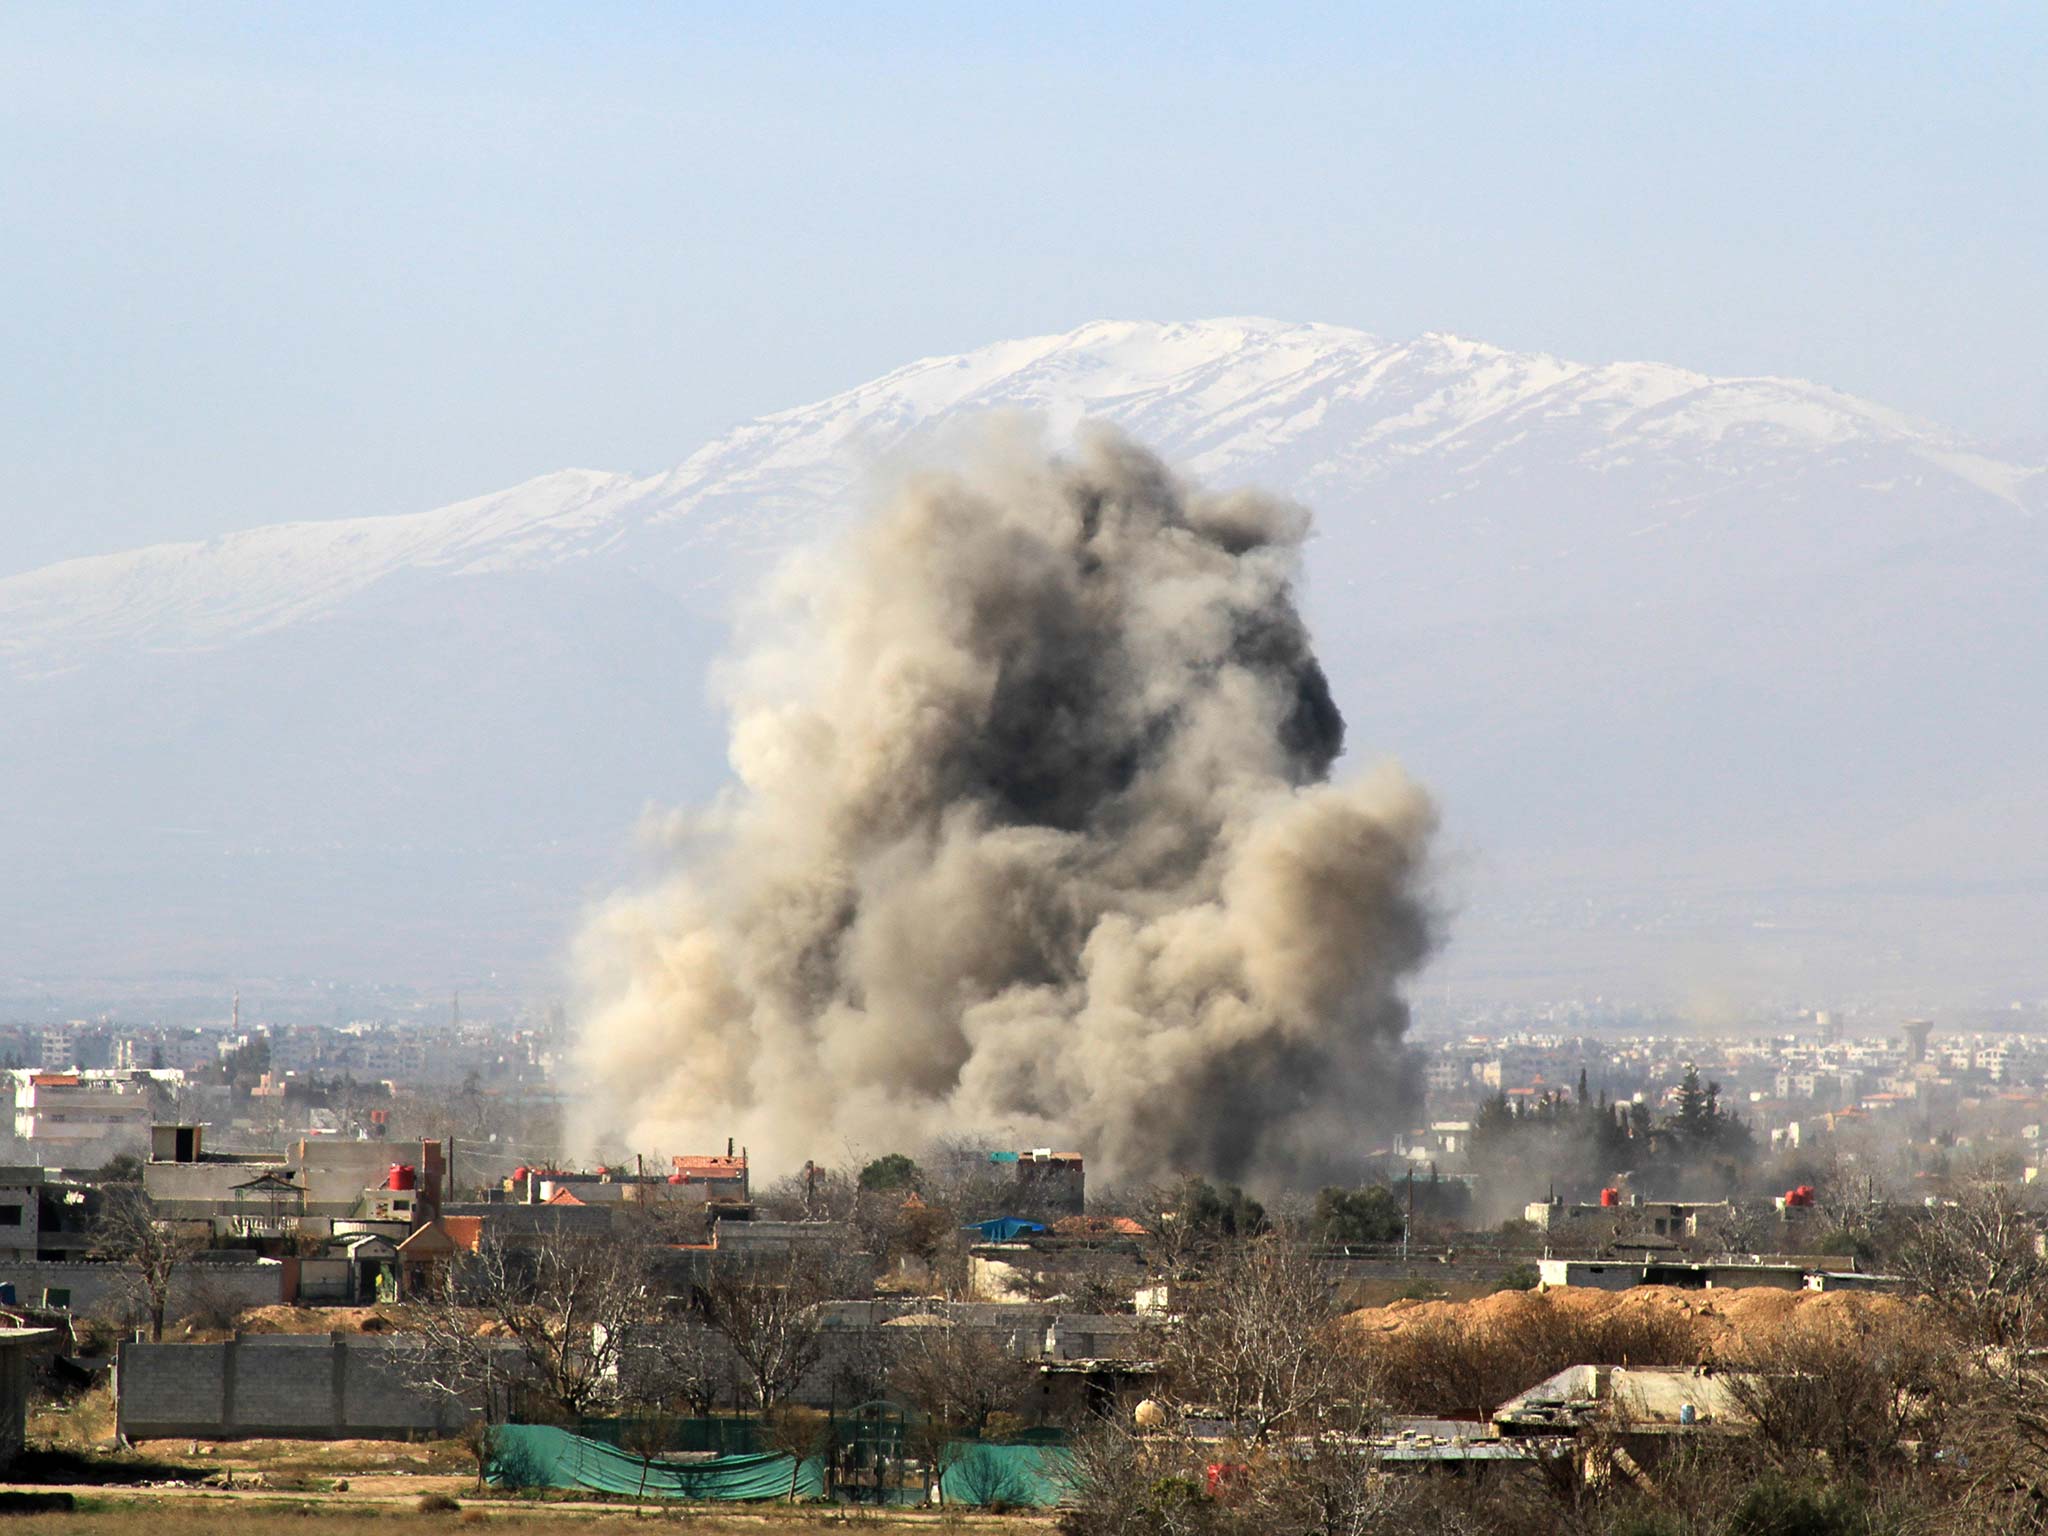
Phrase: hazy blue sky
(265, 262)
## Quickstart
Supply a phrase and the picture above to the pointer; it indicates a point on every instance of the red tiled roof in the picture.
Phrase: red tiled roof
(1084, 1226)
(711, 1167)
(563, 1197)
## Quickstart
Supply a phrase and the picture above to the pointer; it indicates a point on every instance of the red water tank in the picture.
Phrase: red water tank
(677, 1178)
(402, 1176)
(1225, 1477)
(1610, 1196)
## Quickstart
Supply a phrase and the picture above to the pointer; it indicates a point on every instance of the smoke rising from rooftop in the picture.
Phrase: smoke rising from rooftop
(1034, 833)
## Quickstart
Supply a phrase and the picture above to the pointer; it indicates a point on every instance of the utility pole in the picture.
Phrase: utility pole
(1408, 1225)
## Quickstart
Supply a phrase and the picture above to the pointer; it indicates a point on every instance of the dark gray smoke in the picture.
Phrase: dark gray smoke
(1033, 832)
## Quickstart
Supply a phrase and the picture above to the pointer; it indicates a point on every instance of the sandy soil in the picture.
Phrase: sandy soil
(1722, 1318)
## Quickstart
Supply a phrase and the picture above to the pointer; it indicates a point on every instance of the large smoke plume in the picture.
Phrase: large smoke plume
(1033, 833)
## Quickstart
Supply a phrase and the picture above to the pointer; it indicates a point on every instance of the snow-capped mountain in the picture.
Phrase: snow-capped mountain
(1656, 636)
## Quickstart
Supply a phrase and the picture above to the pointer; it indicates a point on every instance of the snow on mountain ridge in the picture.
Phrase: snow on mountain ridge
(201, 593)
(1304, 406)
(1650, 635)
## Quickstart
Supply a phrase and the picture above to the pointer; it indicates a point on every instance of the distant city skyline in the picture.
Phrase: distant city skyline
(373, 262)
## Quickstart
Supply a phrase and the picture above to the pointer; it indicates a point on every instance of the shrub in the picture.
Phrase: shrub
(1465, 1368)
(436, 1504)
(1845, 1243)
(1777, 1508)
(1853, 1393)
(1520, 1277)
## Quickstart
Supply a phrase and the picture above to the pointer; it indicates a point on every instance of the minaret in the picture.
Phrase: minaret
(1916, 1032)
(235, 1015)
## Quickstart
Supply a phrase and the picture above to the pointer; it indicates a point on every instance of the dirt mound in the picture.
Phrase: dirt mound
(1721, 1319)
(283, 1319)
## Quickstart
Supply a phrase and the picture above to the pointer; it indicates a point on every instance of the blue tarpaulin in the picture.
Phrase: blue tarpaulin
(1004, 1229)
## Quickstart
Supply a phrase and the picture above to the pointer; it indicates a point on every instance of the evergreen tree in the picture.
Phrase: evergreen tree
(1495, 1120)
(1370, 1215)
(1693, 1120)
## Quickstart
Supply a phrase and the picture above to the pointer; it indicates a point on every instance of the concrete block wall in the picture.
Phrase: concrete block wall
(108, 1290)
(14, 1395)
(306, 1387)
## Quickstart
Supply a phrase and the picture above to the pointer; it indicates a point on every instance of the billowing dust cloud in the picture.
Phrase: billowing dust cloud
(1033, 833)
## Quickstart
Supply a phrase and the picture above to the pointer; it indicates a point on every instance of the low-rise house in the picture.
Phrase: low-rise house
(1630, 1214)
(1657, 1400)
(84, 1117)
(427, 1253)
(1622, 1275)
(1045, 1180)
(317, 1187)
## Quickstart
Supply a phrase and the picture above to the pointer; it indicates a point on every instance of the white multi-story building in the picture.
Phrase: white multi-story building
(60, 1112)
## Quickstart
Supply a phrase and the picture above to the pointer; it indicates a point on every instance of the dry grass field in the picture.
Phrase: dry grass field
(356, 1487)
(223, 1516)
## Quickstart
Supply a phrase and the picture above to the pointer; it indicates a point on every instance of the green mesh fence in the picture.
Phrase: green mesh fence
(971, 1472)
(978, 1472)
(542, 1456)
(724, 1436)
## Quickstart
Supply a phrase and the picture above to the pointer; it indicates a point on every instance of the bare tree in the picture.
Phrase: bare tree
(958, 1377)
(1844, 1394)
(569, 1305)
(1740, 1227)
(813, 1194)
(1259, 1344)
(1121, 1483)
(442, 1345)
(767, 1309)
(677, 1363)
(798, 1433)
(961, 1380)
(211, 1302)
(861, 1367)
(1160, 1480)
(646, 1436)
(150, 1251)
(1463, 1366)
(1328, 1485)
(1980, 1258)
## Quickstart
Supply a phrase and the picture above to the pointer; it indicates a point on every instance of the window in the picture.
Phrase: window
(10, 1215)
(58, 1298)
